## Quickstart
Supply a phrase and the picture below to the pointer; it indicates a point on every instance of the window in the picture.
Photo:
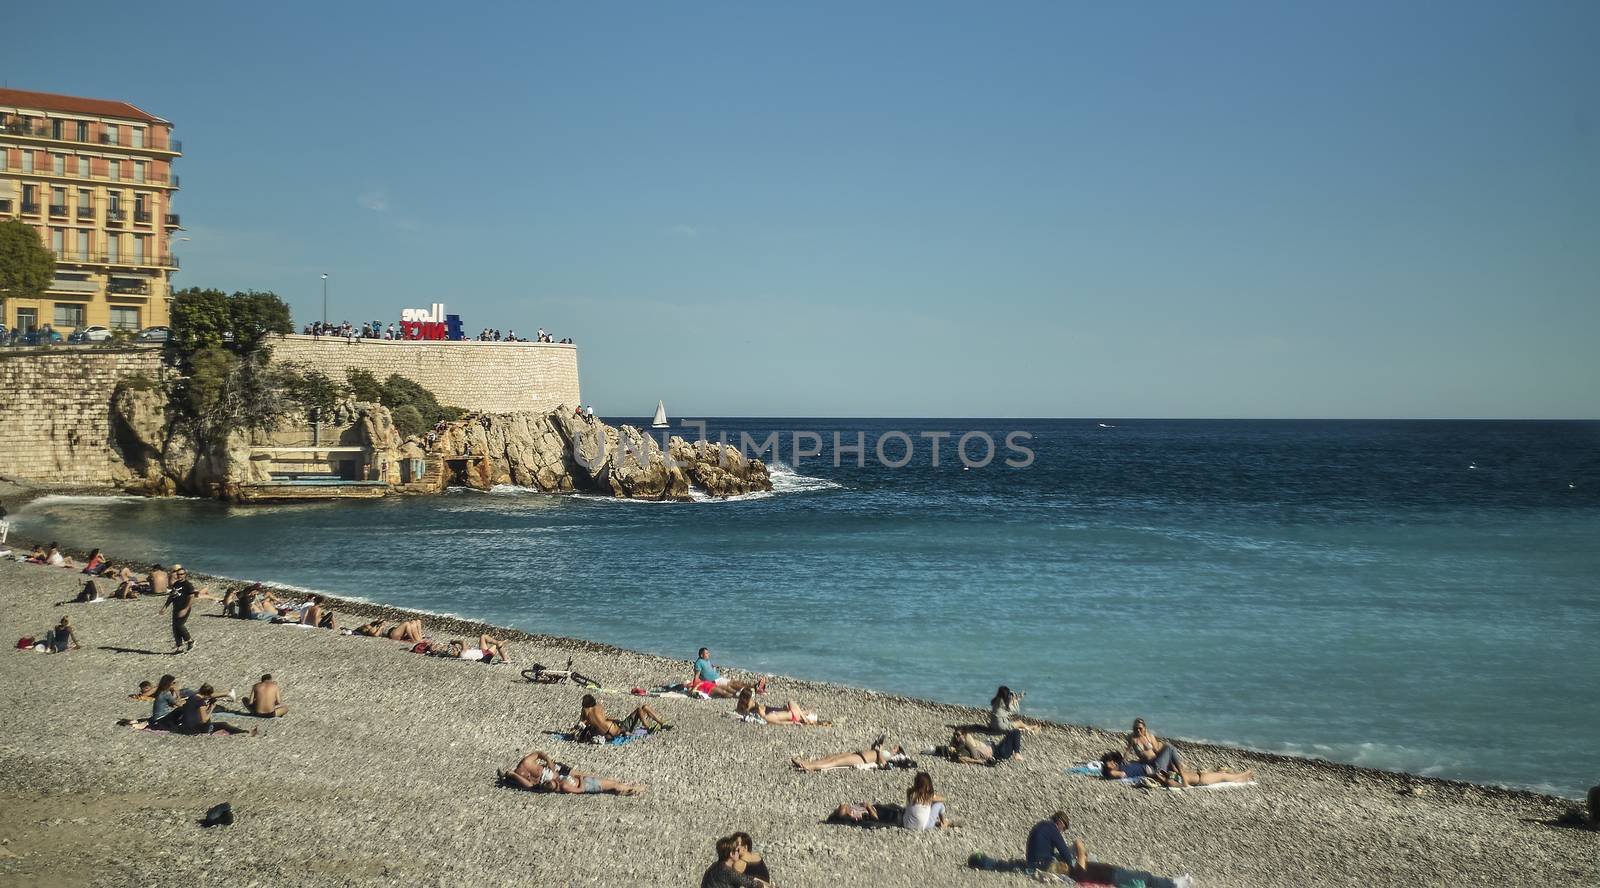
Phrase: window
(85, 202)
(27, 319)
(83, 167)
(124, 318)
(60, 164)
(139, 248)
(58, 201)
(55, 128)
(68, 316)
(83, 130)
(111, 134)
(83, 245)
(113, 242)
(57, 241)
(138, 170)
(115, 168)
(30, 198)
(138, 136)
(27, 161)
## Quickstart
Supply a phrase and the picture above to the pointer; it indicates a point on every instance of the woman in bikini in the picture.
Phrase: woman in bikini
(410, 630)
(1151, 750)
(596, 724)
(790, 714)
(865, 760)
(1113, 766)
(541, 773)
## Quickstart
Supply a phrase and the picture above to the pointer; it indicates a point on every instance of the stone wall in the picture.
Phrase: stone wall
(55, 411)
(493, 377)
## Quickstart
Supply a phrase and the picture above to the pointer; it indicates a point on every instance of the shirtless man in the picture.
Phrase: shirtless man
(265, 700)
(540, 772)
(316, 616)
(157, 582)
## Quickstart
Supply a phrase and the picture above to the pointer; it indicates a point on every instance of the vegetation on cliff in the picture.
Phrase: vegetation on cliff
(26, 265)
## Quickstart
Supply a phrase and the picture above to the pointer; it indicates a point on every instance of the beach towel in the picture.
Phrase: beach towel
(572, 737)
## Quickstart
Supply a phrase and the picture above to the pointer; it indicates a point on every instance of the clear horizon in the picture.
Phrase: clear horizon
(911, 210)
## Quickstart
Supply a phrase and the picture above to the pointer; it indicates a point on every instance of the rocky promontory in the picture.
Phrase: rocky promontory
(557, 451)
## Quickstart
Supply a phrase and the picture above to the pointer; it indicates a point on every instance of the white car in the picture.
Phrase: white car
(90, 334)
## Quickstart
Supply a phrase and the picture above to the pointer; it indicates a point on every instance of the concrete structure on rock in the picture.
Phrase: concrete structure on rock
(57, 426)
(487, 377)
(94, 176)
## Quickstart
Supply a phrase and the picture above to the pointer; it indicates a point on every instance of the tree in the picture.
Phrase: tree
(26, 265)
(364, 386)
(200, 320)
(315, 392)
(408, 421)
(253, 314)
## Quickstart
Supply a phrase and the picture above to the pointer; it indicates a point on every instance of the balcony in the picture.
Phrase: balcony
(122, 260)
(85, 214)
(32, 208)
(115, 218)
(58, 210)
(172, 221)
(48, 131)
(123, 288)
(108, 139)
(141, 217)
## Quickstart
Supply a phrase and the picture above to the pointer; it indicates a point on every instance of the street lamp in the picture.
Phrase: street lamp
(324, 300)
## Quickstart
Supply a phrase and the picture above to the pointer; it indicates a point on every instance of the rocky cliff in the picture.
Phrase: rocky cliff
(554, 452)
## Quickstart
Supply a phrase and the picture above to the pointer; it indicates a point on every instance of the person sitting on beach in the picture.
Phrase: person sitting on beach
(1003, 709)
(872, 759)
(194, 716)
(1151, 750)
(541, 773)
(924, 807)
(157, 581)
(265, 699)
(37, 556)
(89, 593)
(967, 749)
(164, 699)
(256, 603)
(725, 872)
(1114, 766)
(789, 714)
(316, 616)
(594, 723)
(56, 558)
(127, 587)
(96, 565)
(750, 863)
(709, 680)
(62, 638)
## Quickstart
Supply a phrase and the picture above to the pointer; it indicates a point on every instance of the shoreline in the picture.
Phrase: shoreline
(454, 624)
(383, 773)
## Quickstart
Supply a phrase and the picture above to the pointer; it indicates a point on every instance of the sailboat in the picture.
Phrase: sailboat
(660, 421)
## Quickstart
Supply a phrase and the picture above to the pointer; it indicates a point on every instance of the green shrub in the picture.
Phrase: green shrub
(364, 386)
(408, 420)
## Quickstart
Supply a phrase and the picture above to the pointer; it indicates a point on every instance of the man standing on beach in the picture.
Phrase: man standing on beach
(181, 600)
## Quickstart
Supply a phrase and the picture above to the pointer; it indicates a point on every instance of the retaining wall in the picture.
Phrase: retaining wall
(55, 411)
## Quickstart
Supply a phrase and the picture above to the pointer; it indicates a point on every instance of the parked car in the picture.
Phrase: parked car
(41, 336)
(90, 334)
(153, 334)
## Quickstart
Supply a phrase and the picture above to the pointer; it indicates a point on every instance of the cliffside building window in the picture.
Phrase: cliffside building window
(124, 318)
(69, 317)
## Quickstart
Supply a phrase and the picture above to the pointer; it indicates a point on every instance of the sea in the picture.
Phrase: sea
(1421, 596)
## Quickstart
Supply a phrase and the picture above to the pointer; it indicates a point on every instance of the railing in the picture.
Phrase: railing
(40, 131)
(172, 220)
(30, 207)
(116, 259)
(58, 209)
(86, 213)
(115, 217)
(141, 216)
(129, 289)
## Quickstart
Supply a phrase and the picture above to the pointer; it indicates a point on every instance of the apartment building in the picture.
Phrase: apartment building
(94, 176)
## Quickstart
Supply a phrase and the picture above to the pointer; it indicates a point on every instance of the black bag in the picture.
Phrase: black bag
(219, 815)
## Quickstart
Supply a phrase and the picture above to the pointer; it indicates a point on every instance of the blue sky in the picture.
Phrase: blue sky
(921, 209)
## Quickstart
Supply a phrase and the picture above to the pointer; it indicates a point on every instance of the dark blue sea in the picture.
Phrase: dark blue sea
(1421, 596)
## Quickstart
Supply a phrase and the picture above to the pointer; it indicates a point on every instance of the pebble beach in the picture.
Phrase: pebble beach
(384, 773)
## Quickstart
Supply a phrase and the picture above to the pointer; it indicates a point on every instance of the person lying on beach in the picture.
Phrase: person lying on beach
(1151, 750)
(1114, 766)
(265, 699)
(127, 586)
(1003, 709)
(725, 872)
(62, 638)
(965, 748)
(194, 716)
(1047, 850)
(37, 556)
(594, 723)
(789, 714)
(709, 680)
(96, 565)
(924, 807)
(147, 692)
(487, 650)
(866, 814)
(541, 773)
(876, 758)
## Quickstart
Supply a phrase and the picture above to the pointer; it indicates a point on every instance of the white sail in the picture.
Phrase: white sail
(660, 422)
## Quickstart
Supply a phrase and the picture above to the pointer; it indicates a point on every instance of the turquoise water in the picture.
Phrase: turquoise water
(1422, 596)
